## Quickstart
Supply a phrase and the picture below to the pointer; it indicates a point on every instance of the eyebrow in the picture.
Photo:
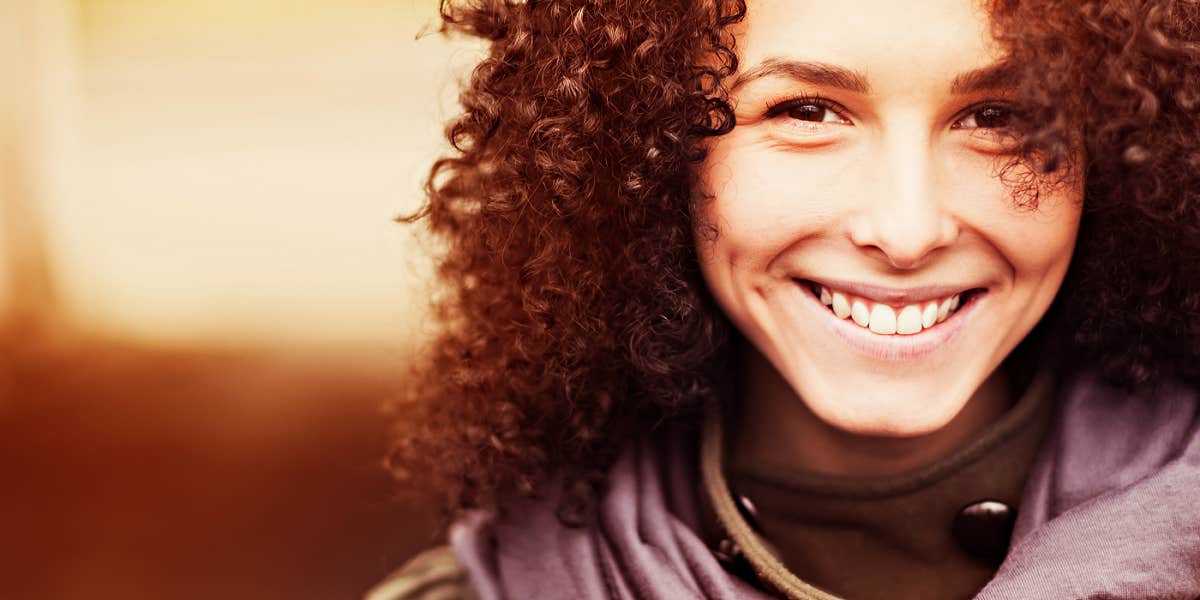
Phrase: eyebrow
(816, 73)
(994, 76)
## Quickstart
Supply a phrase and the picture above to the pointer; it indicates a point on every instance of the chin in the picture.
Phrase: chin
(886, 404)
(886, 420)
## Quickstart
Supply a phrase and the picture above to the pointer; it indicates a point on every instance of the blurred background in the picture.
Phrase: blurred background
(204, 302)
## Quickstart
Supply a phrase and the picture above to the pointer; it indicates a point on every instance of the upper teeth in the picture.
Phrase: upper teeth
(885, 319)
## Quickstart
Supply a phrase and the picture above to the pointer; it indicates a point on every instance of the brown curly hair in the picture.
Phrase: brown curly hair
(573, 314)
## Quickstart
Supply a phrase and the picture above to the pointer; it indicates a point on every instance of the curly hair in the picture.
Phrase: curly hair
(573, 314)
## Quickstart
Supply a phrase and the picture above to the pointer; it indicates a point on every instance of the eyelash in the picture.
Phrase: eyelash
(1013, 112)
(780, 107)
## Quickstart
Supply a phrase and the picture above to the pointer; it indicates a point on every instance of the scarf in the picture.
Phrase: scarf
(1111, 510)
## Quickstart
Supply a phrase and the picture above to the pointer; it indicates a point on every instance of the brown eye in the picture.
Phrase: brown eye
(993, 118)
(988, 117)
(808, 112)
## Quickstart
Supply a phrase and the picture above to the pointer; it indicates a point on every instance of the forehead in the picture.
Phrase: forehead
(896, 44)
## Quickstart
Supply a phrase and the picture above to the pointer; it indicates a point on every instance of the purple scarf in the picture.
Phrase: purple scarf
(1111, 510)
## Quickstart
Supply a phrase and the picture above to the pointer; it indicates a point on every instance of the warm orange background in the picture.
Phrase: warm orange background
(203, 300)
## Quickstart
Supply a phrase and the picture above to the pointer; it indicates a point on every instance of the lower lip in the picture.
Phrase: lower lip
(892, 346)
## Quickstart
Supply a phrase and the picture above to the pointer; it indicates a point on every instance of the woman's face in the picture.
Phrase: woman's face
(863, 168)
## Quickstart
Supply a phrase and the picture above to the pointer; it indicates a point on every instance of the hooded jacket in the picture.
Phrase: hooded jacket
(1111, 509)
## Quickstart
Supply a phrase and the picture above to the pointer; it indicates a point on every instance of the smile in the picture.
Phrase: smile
(876, 331)
(887, 319)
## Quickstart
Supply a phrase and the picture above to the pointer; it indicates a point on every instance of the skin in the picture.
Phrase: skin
(895, 185)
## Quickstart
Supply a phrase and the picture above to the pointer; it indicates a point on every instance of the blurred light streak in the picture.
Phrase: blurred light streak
(35, 69)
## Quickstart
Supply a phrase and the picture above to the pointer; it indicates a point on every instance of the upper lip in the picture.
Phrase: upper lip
(894, 295)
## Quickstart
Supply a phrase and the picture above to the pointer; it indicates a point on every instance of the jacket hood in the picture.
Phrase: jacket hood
(1109, 511)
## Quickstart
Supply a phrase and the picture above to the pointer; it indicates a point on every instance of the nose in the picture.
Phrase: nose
(903, 218)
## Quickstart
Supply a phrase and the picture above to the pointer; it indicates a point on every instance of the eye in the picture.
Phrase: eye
(992, 127)
(988, 116)
(808, 110)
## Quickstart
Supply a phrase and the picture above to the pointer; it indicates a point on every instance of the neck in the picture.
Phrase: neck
(776, 427)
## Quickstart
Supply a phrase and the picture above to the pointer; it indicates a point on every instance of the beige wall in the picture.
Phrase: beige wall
(227, 170)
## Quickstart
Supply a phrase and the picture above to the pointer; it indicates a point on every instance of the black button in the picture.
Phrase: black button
(984, 529)
(728, 552)
(746, 508)
(734, 561)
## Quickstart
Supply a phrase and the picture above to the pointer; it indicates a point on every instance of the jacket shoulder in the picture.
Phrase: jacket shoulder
(434, 574)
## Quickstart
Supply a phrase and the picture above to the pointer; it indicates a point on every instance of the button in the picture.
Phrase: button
(728, 552)
(984, 529)
(748, 511)
(734, 561)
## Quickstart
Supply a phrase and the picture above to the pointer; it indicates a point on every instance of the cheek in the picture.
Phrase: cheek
(759, 202)
(723, 226)
(741, 226)
(1035, 241)
(1039, 242)
(744, 209)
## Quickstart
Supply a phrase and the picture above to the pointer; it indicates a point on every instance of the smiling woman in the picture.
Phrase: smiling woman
(814, 300)
(878, 192)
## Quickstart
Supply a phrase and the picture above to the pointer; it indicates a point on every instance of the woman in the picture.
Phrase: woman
(801, 299)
